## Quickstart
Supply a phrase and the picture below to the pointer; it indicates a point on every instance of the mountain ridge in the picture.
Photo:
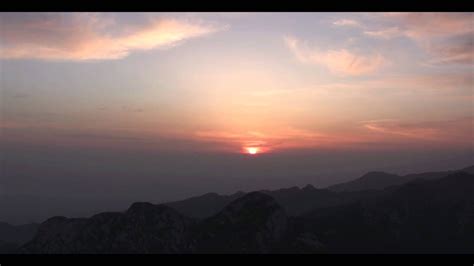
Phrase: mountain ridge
(429, 216)
(203, 206)
(294, 201)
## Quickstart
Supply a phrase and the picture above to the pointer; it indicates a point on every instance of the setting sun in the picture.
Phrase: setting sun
(252, 150)
(237, 132)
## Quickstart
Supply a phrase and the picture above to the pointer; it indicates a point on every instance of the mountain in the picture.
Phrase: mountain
(469, 169)
(369, 181)
(254, 223)
(295, 201)
(143, 228)
(12, 236)
(381, 180)
(423, 216)
(17, 233)
(204, 206)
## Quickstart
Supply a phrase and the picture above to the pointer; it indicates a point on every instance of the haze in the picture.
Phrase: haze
(105, 109)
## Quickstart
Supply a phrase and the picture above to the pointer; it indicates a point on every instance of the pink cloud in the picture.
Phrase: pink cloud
(387, 33)
(341, 61)
(396, 128)
(447, 85)
(429, 25)
(277, 139)
(347, 23)
(447, 37)
(459, 51)
(443, 131)
(82, 36)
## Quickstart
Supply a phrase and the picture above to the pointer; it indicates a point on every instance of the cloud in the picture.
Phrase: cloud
(458, 50)
(447, 37)
(447, 86)
(16, 95)
(430, 25)
(347, 23)
(284, 138)
(387, 33)
(342, 61)
(396, 128)
(95, 136)
(83, 36)
(281, 138)
(455, 130)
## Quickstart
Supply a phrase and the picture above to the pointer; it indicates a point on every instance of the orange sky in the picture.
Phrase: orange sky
(227, 83)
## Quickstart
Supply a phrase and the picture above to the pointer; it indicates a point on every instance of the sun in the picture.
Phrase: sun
(252, 150)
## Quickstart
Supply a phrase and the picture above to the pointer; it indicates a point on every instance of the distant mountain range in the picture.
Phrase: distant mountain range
(378, 212)
(423, 216)
(381, 180)
(297, 201)
(13, 236)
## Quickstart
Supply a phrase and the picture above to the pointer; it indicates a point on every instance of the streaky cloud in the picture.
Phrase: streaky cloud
(83, 36)
(446, 37)
(340, 61)
(347, 23)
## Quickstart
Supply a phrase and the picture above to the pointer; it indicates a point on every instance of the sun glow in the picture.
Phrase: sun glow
(252, 150)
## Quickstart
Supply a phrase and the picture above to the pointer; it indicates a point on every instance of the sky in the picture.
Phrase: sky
(162, 106)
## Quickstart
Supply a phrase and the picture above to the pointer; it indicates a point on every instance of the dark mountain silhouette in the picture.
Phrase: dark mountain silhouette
(369, 181)
(381, 180)
(7, 247)
(254, 223)
(12, 236)
(423, 216)
(469, 169)
(143, 228)
(429, 214)
(204, 206)
(297, 201)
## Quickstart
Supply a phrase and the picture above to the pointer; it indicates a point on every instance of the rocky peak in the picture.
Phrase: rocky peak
(252, 223)
(309, 187)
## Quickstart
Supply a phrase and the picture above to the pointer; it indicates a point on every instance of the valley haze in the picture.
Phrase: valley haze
(206, 123)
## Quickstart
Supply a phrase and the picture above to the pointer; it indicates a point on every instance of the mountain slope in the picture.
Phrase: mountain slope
(254, 223)
(143, 228)
(12, 236)
(381, 180)
(297, 201)
(427, 216)
(369, 181)
(17, 233)
(204, 206)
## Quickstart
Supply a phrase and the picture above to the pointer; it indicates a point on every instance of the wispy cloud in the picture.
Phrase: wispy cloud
(83, 36)
(296, 138)
(455, 130)
(281, 138)
(347, 23)
(394, 127)
(341, 61)
(458, 50)
(430, 25)
(448, 87)
(447, 37)
(387, 33)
